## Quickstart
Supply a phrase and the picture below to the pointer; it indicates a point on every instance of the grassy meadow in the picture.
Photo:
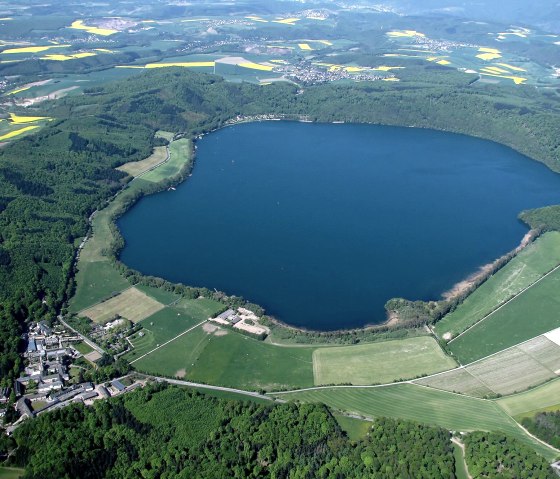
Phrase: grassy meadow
(379, 362)
(528, 266)
(416, 403)
(136, 168)
(11, 473)
(218, 356)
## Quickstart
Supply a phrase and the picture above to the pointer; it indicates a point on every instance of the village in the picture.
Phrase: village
(54, 358)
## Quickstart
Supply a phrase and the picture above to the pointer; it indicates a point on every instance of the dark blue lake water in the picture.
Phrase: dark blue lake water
(322, 224)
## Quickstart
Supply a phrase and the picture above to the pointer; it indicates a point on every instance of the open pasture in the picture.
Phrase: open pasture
(533, 312)
(429, 406)
(528, 266)
(135, 168)
(379, 362)
(200, 308)
(217, 356)
(528, 403)
(159, 328)
(131, 304)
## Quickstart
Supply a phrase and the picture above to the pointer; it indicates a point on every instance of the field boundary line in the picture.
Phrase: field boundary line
(484, 318)
(167, 342)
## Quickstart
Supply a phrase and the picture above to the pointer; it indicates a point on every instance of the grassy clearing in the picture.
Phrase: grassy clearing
(408, 401)
(82, 347)
(131, 304)
(217, 356)
(528, 266)
(356, 429)
(165, 134)
(530, 314)
(95, 281)
(459, 381)
(11, 473)
(545, 397)
(135, 168)
(180, 153)
(159, 328)
(379, 362)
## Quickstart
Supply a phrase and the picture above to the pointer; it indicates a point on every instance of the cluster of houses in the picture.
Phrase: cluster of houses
(46, 383)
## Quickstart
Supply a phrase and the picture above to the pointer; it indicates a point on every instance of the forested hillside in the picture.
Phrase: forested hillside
(176, 433)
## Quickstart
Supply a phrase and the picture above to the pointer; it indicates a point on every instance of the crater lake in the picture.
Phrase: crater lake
(322, 224)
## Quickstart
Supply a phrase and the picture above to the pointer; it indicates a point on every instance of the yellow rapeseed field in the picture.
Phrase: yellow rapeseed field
(35, 49)
(14, 133)
(21, 120)
(79, 25)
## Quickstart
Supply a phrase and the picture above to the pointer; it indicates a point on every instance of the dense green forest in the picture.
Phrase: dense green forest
(170, 432)
(491, 455)
(546, 426)
(51, 181)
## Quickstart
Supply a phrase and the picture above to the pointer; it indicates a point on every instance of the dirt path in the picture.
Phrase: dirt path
(462, 446)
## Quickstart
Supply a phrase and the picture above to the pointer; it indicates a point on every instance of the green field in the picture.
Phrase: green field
(355, 428)
(379, 362)
(529, 265)
(202, 308)
(159, 328)
(179, 155)
(407, 401)
(11, 473)
(545, 397)
(532, 313)
(226, 358)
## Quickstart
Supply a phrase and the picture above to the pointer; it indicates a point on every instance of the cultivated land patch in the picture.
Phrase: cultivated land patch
(379, 362)
(459, 381)
(527, 267)
(512, 370)
(527, 404)
(135, 168)
(531, 313)
(131, 304)
(417, 403)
